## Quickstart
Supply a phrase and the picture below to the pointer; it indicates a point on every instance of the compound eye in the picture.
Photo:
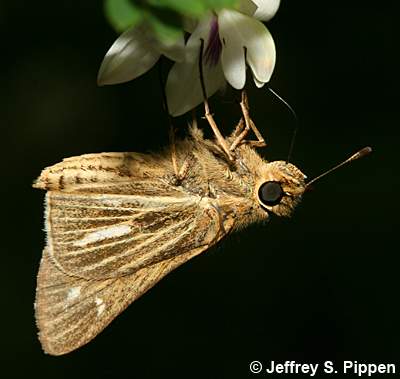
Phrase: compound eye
(270, 193)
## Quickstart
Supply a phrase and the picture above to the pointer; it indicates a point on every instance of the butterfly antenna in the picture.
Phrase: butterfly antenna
(360, 154)
(293, 139)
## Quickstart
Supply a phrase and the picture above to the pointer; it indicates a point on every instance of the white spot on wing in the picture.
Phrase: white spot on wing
(112, 202)
(73, 293)
(102, 234)
(100, 305)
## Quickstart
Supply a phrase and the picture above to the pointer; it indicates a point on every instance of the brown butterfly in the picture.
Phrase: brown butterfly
(117, 223)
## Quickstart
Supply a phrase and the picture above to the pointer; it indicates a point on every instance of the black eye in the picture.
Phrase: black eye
(270, 193)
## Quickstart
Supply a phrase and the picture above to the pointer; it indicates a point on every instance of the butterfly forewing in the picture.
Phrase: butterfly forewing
(111, 235)
(99, 236)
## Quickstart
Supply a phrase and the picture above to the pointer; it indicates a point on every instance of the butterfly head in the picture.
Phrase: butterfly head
(282, 184)
(280, 187)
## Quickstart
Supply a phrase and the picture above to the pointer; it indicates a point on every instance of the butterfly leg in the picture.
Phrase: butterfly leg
(239, 128)
(220, 139)
(209, 117)
(180, 173)
(173, 151)
(248, 124)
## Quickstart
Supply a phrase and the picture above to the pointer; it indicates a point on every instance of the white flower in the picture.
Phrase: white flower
(232, 38)
(135, 52)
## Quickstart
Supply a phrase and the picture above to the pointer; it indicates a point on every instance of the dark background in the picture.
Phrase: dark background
(321, 285)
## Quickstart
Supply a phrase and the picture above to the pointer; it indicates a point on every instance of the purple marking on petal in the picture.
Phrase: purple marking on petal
(214, 45)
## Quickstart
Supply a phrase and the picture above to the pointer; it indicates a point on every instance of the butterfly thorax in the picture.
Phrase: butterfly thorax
(235, 186)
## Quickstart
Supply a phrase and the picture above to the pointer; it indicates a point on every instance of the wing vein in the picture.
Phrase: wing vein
(131, 252)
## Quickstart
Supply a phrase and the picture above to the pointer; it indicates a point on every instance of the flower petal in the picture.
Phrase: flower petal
(247, 7)
(266, 9)
(258, 83)
(131, 55)
(183, 86)
(232, 58)
(261, 53)
(174, 50)
(189, 24)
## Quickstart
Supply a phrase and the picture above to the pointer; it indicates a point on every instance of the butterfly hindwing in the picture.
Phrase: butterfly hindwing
(70, 311)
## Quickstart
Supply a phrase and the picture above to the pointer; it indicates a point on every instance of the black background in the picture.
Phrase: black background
(321, 285)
